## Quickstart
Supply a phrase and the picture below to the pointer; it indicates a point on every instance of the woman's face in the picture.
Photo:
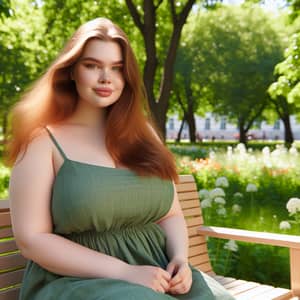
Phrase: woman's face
(99, 73)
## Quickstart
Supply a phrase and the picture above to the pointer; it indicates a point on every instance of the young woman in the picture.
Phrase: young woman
(92, 193)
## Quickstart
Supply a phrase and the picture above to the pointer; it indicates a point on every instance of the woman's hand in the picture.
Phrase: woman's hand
(152, 277)
(181, 273)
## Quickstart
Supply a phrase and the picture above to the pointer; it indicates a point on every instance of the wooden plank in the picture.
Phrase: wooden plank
(225, 280)
(194, 221)
(12, 261)
(4, 205)
(11, 278)
(205, 267)
(247, 285)
(189, 204)
(199, 259)
(196, 250)
(275, 239)
(250, 294)
(186, 187)
(191, 212)
(6, 232)
(11, 294)
(192, 231)
(233, 283)
(294, 269)
(197, 240)
(7, 246)
(188, 196)
(274, 294)
(5, 219)
(186, 178)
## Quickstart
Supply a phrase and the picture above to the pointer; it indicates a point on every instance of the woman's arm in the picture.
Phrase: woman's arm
(174, 225)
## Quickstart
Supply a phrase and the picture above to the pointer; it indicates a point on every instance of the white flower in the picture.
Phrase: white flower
(222, 182)
(205, 203)
(266, 151)
(251, 187)
(236, 208)
(203, 194)
(238, 195)
(293, 205)
(285, 225)
(231, 245)
(221, 211)
(241, 148)
(217, 192)
(293, 151)
(220, 200)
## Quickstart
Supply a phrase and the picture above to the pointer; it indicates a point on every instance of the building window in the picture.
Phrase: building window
(207, 124)
(277, 125)
(171, 124)
(223, 123)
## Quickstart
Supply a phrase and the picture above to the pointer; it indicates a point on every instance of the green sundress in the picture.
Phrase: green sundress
(112, 211)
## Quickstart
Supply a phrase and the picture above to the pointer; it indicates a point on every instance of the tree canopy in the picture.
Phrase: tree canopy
(234, 52)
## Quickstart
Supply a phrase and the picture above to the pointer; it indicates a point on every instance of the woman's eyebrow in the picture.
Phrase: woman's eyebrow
(119, 62)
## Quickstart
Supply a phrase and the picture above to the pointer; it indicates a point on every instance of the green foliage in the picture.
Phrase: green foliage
(288, 82)
(4, 181)
(4, 8)
(229, 65)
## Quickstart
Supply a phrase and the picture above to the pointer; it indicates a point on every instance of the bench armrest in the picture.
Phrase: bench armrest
(283, 240)
(275, 239)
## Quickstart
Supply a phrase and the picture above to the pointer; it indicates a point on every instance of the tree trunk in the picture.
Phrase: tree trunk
(243, 132)
(190, 114)
(288, 133)
(180, 130)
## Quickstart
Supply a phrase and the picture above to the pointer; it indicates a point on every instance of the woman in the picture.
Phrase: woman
(92, 194)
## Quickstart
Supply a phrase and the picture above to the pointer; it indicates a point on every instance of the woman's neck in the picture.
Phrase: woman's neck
(89, 116)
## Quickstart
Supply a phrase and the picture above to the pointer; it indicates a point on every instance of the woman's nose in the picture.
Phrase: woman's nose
(104, 75)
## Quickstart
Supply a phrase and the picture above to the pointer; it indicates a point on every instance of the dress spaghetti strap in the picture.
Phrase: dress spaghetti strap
(56, 143)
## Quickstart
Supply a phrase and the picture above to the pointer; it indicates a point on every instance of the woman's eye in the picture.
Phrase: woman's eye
(117, 68)
(90, 66)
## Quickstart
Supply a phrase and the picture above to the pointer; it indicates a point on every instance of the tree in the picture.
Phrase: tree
(285, 92)
(21, 52)
(146, 19)
(233, 64)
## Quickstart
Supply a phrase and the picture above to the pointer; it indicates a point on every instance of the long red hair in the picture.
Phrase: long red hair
(130, 138)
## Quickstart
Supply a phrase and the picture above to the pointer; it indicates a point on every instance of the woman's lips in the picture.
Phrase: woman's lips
(103, 92)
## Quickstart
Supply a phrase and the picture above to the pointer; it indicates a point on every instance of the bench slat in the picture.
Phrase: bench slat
(188, 196)
(11, 278)
(189, 204)
(11, 294)
(186, 187)
(7, 246)
(12, 261)
(5, 219)
(6, 232)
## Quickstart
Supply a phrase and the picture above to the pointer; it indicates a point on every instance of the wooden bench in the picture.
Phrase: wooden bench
(12, 263)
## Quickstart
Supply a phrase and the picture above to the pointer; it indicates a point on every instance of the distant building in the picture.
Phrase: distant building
(212, 127)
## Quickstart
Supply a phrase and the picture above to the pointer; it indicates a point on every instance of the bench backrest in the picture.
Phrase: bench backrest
(190, 204)
(12, 263)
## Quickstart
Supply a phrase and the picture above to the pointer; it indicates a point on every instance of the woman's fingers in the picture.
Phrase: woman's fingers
(182, 281)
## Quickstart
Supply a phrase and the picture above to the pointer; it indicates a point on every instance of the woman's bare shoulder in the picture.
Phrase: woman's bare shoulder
(39, 149)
